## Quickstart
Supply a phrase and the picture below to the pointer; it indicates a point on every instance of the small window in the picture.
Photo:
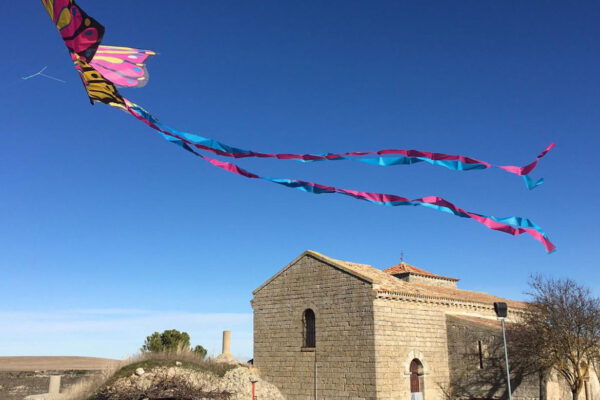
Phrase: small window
(480, 348)
(309, 334)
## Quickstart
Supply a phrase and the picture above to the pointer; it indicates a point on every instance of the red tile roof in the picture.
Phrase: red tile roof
(386, 282)
(404, 268)
(389, 283)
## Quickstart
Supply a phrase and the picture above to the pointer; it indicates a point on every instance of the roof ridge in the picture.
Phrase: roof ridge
(405, 268)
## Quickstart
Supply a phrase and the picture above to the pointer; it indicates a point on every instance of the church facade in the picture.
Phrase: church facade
(331, 329)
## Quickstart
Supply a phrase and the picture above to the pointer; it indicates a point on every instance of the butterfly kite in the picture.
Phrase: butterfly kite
(104, 68)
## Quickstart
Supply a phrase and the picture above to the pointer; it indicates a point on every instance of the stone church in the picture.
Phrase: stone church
(331, 329)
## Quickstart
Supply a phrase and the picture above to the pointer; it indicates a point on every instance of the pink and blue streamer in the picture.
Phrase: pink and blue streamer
(383, 158)
(511, 225)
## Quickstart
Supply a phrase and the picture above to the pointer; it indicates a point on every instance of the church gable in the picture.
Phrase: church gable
(315, 307)
(357, 271)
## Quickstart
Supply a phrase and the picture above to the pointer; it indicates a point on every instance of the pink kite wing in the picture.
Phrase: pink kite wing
(81, 33)
(123, 66)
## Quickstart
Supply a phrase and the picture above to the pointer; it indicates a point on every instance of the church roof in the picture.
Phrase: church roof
(404, 268)
(384, 282)
(491, 322)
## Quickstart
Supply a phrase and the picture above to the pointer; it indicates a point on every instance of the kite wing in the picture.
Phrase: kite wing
(82, 34)
(124, 66)
(97, 87)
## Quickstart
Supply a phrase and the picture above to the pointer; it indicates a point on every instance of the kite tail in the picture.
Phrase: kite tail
(510, 225)
(526, 170)
(515, 228)
(383, 158)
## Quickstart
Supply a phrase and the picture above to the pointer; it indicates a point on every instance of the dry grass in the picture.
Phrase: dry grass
(87, 387)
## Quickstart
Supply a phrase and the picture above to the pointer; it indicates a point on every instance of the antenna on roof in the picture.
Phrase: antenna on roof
(402, 257)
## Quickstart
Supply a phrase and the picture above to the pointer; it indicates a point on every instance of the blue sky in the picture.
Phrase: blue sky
(106, 225)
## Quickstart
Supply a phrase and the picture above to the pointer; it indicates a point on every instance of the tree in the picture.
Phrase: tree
(169, 340)
(560, 331)
(153, 343)
(200, 351)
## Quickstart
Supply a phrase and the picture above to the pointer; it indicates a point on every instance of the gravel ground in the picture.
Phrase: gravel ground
(235, 382)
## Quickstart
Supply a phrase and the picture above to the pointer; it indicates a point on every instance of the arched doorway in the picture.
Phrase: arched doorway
(416, 380)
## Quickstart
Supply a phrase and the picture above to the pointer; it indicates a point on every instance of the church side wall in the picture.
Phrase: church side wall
(405, 330)
(477, 366)
(344, 333)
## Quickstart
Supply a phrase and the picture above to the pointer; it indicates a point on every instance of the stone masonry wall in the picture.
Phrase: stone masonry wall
(344, 333)
(485, 377)
(408, 328)
(405, 330)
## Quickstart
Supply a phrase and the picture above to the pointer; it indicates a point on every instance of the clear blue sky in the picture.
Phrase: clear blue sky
(108, 232)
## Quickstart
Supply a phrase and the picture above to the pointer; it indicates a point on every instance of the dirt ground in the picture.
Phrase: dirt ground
(54, 363)
(22, 376)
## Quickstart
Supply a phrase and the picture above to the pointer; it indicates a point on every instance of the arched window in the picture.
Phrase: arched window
(416, 379)
(308, 332)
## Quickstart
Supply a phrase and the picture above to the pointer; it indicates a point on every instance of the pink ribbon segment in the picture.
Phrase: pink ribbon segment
(526, 170)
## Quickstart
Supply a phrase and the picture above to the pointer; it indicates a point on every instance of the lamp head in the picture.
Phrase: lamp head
(501, 309)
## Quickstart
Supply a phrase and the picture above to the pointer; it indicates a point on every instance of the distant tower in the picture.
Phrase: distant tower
(226, 342)
(226, 355)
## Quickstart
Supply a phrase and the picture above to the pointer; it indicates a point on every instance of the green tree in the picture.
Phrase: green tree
(153, 343)
(169, 340)
(200, 351)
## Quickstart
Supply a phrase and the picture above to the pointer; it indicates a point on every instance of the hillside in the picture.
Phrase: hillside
(168, 379)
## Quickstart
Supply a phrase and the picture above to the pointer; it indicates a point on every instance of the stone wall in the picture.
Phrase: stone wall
(345, 347)
(405, 330)
(483, 375)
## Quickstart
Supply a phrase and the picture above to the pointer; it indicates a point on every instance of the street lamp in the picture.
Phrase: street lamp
(253, 380)
(501, 310)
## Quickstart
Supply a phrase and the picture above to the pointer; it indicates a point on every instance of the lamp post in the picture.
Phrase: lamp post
(501, 310)
(253, 380)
